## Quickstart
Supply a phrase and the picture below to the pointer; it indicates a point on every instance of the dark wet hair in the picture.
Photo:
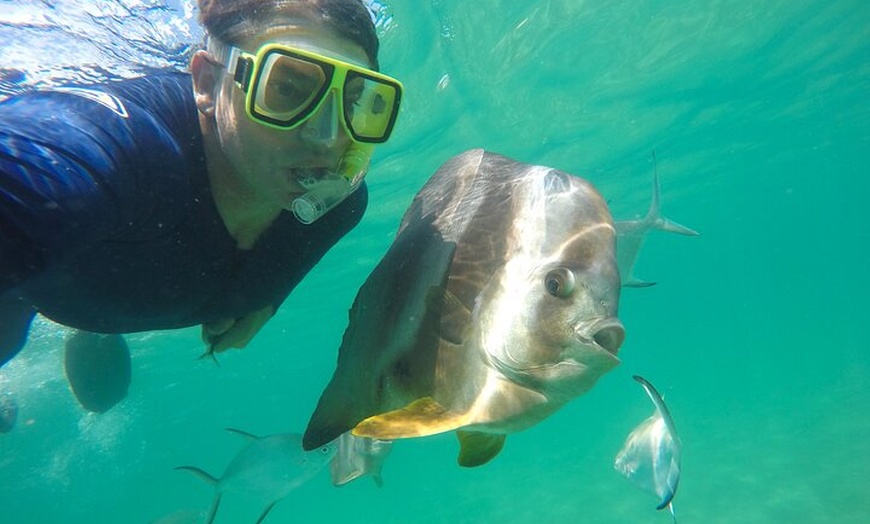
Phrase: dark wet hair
(232, 21)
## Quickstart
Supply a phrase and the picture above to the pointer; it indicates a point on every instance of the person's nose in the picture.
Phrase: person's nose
(321, 129)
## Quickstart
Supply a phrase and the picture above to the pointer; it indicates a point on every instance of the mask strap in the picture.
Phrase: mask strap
(230, 57)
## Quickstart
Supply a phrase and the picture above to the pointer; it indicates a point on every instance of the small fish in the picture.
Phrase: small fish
(495, 305)
(631, 234)
(650, 457)
(8, 412)
(359, 456)
(267, 469)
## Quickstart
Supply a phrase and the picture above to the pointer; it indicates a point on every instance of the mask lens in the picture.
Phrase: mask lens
(288, 88)
(370, 107)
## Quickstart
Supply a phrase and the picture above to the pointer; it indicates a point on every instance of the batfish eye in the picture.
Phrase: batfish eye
(559, 282)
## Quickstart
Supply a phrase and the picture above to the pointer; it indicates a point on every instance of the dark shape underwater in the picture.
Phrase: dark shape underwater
(8, 412)
(98, 369)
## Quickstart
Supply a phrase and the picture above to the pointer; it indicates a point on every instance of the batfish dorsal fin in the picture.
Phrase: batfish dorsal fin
(476, 448)
(420, 418)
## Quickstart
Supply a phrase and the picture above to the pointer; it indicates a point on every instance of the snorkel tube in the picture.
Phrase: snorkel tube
(324, 194)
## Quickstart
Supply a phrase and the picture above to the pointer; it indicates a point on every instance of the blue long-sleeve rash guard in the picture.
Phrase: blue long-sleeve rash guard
(107, 222)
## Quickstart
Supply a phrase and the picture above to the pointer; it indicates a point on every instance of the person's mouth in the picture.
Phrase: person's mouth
(299, 178)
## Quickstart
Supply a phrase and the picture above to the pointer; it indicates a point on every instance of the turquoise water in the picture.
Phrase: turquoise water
(759, 114)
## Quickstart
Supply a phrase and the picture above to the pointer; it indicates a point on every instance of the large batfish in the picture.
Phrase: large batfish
(631, 235)
(357, 457)
(267, 469)
(650, 456)
(495, 305)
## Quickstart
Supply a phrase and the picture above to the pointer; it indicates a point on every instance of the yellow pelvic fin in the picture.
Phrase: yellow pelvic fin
(420, 418)
(476, 449)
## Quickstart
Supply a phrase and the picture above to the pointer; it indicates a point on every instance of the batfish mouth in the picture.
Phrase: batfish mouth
(610, 336)
(606, 336)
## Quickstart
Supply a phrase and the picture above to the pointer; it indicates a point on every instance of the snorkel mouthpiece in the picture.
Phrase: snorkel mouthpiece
(322, 196)
(325, 194)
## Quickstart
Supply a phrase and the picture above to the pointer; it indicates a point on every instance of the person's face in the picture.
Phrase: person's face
(271, 161)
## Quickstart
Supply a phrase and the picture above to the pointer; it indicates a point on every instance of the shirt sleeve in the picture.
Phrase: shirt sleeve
(65, 176)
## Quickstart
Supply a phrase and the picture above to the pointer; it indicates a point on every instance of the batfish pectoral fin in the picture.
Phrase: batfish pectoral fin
(476, 448)
(455, 318)
(420, 418)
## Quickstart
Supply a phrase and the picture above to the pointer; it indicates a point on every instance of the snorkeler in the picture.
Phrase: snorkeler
(177, 199)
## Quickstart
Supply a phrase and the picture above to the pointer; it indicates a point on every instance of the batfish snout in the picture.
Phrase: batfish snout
(609, 335)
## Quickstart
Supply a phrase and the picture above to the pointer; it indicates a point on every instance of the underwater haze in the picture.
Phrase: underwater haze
(759, 116)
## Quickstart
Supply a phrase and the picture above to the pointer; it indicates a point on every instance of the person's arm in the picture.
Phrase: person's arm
(58, 185)
(321, 236)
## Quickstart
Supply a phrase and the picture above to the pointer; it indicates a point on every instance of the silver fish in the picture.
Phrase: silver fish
(650, 457)
(357, 457)
(267, 469)
(495, 305)
(631, 235)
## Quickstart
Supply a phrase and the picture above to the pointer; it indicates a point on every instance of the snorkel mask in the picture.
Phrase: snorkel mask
(285, 86)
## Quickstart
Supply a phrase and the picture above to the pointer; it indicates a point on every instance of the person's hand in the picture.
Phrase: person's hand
(227, 333)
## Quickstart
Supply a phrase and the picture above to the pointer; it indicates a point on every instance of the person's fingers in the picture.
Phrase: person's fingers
(217, 327)
(242, 330)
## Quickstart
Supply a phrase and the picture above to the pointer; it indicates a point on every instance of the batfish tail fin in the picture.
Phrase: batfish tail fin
(476, 448)
(420, 418)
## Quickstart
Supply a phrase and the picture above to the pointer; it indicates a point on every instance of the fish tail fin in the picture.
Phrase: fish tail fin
(266, 512)
(242, 433)
(638, 283)
(654, 215)
(665, 224)
(214, 507)
(200, 473)
(212, 481)
(209, 353)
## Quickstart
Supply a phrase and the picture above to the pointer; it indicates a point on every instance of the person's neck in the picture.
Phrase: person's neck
(245, 215)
